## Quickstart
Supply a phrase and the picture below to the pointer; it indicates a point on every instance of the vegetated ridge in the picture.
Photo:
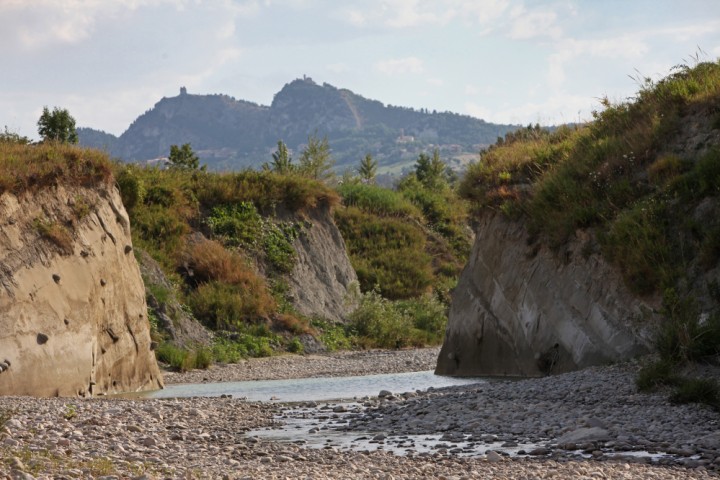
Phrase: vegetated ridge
(229, 134)
(636, 190)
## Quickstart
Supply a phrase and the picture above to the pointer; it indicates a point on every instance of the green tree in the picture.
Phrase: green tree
(315, 160)
(58, 126)
(368, 169)
(281, 160)
(430, 170)
(11, 137)
(183, 157)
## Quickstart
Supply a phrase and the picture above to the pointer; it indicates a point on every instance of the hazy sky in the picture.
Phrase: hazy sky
(108, 61)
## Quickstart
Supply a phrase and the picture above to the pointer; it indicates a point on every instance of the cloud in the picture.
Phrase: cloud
(400, 66)
(32, 25)
(471, 90)
(539, 23)
(437, 82)
(556, 109)
(626, 46)
(401, 14)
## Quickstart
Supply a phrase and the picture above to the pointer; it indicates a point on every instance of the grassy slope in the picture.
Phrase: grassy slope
(642, 180)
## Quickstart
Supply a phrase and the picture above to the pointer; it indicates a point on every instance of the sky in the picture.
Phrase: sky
(504, 61)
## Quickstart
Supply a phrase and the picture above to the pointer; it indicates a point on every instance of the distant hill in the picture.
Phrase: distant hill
(229, 134)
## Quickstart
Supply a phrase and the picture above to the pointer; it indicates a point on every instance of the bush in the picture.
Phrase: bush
(684, 336)
(223, 306)
(386, 252)
(333, 335)
(295, 346)
(377, 200)
(379, 322)
(132, 187)
(698, 390)
(237, 224)
(655, 375)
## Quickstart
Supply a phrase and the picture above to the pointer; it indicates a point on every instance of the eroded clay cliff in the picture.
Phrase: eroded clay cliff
(72, 302)
(521, 309)
(321, 277)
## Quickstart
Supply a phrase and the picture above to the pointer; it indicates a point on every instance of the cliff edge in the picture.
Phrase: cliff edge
(73, 318)
(522, 310)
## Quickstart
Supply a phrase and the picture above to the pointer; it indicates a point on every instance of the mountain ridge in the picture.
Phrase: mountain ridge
(230, 134)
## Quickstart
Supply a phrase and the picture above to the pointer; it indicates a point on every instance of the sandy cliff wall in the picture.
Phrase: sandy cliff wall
(521, 309)
(72, 302)
(323, 272)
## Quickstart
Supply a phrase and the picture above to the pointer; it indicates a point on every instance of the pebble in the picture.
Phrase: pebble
(206, 437)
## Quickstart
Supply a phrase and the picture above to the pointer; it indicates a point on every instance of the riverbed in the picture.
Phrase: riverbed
(588, 424)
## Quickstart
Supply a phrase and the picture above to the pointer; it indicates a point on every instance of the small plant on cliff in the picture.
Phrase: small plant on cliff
(55, 234)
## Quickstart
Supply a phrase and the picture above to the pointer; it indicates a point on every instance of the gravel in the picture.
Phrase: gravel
(209, 437)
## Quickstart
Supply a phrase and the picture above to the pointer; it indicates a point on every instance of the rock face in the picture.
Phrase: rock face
(523, 310)
(73, 318)
(321, 277)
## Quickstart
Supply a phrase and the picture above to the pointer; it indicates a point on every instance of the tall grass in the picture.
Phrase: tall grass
(32, 167)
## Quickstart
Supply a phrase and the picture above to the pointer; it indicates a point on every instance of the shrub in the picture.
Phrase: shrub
(237, 224)
(333, 335)
(223, 306)
(177, 358)
(377, 200)
(684, 336)
(655, 375)
(210, 261)
(277, 245)
(295, 346)
(638, 242)
(131, 186)
(387, 252)
(698, 390)
(379, 323)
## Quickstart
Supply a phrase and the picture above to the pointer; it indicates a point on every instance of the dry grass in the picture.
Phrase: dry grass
(32, 167)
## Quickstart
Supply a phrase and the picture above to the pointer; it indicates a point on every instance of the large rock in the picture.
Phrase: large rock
(521, 309)
(322, 275)
(73, 318)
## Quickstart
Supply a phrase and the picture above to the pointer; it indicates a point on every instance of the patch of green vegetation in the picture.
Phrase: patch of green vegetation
(334, 336)
(683, 339)
(387, 252)
(382, 323)
(182, 359)
(377, 200)
(698, 390)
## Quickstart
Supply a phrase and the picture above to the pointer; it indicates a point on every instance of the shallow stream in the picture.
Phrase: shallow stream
(315, 389)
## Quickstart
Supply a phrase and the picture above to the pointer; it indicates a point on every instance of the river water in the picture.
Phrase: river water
(315, 389)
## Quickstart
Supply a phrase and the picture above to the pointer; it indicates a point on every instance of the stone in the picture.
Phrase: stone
(493, 457)
(384, 393)
(585, 435)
